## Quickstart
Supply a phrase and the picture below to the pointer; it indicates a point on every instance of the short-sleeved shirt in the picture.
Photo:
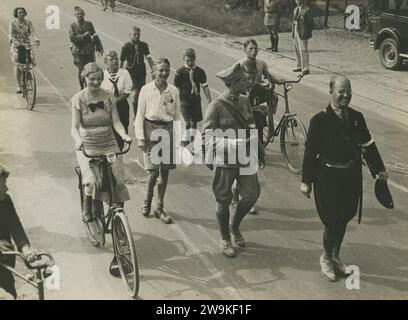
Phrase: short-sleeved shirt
(134, 55)
(183, 83)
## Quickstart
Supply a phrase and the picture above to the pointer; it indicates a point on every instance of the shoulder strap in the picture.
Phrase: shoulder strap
(235, 113)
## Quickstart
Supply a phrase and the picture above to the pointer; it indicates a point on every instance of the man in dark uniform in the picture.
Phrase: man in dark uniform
(273, 10)
(337, 139)
(231, 112)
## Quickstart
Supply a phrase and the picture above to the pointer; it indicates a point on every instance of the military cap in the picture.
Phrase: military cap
(231, 74)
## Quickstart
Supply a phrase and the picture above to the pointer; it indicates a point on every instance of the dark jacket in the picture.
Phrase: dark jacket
(84, 45)
(332, 143)
(305, 23)
(10, 226)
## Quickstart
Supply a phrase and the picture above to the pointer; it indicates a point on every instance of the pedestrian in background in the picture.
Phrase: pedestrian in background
(117, 82)
(134, 53)
(332, 163)
(84, 41)
(302, 27)
(273, 11)
(189, 79)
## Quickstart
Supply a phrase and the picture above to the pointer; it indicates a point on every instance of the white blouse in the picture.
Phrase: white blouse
(124, 81)
(157, 107)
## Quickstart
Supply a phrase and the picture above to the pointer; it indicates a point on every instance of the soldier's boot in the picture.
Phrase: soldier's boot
(275, 47)
(238, 237)
(227, 249)
(327, 267)
(87, 209)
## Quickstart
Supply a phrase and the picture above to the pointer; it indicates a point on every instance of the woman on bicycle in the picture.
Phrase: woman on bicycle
(158, 107)
(93, 115)
(20, 32)
(85, 42)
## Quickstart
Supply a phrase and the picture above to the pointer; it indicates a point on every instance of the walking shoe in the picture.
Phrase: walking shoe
(146, 207)
(339, 267)
(327, 268)
(253, 211)
(227, 249)
(297, 70)
(238, 237)
(305, 72)
(19, 91)
(160, 214)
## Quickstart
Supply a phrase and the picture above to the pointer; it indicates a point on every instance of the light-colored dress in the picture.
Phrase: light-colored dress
(21, 34)
(98, 138)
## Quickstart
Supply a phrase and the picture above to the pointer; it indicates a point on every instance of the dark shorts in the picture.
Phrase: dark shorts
(191, 108)
(81, 60)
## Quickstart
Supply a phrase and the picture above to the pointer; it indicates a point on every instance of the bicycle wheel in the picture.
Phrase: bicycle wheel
(125, 252)
(268, 130)
(30, 89)
(95, 229)
(293, 139)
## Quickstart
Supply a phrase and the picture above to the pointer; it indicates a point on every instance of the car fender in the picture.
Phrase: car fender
(387, 33)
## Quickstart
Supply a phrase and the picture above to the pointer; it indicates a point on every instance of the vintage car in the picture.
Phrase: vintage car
(390, 33)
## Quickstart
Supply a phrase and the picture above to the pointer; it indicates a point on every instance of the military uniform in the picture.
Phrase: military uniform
(218, 116)
(273, 9)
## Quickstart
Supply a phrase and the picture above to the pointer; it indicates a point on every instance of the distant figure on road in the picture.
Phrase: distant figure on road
(159, 108)
(337, 138)
(20, 32)
(134, 53)
(273, 11)
(231, 112)
(188, 79)
(117, 81)
(93, 115)
(10, 228)
(85, 42)
(303, 25)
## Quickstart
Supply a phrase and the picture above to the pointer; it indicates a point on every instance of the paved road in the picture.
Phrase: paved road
(182, 260)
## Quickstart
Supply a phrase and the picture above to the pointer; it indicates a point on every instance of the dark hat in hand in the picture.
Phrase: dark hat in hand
(231, 74)
(383, 194)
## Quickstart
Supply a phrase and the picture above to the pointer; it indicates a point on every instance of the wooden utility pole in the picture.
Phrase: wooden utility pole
(326, 16)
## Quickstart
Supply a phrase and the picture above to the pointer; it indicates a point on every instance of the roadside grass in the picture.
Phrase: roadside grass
(208, 14)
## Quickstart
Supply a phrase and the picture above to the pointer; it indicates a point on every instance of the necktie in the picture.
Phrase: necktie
(115, 84)
(194, 89)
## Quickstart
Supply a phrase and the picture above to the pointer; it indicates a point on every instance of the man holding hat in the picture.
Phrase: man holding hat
(231, 113)
(337, 139)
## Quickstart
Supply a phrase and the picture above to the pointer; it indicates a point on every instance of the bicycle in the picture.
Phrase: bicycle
(290, 128)
(41, 267)
(114, 222)
(28, 82)
(111, 4)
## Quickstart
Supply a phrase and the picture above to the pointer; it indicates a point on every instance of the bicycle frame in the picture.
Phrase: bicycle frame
(108, 159)
(39, 275)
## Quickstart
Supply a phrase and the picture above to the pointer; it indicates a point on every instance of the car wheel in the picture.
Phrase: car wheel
(389, 54)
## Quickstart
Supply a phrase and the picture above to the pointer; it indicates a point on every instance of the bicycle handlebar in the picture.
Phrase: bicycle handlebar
(126, 150)
(300, 76)
(29, 265)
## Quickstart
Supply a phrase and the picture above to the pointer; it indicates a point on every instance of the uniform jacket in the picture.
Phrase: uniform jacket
(84, 45)
(305, 23)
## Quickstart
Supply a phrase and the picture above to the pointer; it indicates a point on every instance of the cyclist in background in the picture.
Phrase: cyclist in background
(20, 32)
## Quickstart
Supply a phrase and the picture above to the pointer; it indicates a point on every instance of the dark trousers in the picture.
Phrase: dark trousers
(7, 282)
(138, 83)
(249, 189)
(123, 112)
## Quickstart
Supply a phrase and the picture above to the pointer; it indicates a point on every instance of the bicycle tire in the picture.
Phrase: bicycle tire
(95, 230)
(30, 88)
(293, 138)
(125, 252)
(268, 130)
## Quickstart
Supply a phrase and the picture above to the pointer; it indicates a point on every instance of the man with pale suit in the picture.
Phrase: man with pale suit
(303, 25)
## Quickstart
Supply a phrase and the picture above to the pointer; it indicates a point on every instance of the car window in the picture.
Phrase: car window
(398, 7)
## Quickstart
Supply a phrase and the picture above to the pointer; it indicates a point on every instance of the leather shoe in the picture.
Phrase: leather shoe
(297, 70)
(340, 268)
(327, 268)
(253, 211)
(238, 237)
(146, 208)
(160, 214)
(227, 249)
(305, 72)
